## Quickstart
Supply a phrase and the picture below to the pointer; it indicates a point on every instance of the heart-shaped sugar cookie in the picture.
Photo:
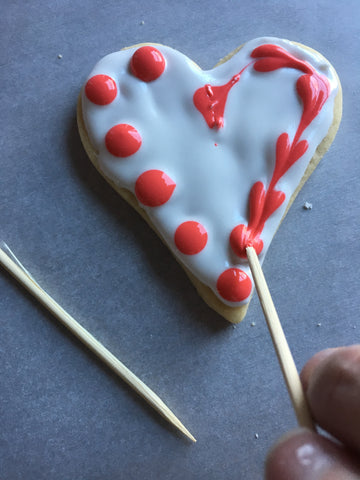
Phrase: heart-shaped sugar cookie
(211, 159)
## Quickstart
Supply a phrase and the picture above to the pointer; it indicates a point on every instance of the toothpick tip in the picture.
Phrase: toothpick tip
(191, 437)
(176, 422)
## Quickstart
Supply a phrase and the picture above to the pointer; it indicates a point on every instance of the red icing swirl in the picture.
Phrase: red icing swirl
(242, 237)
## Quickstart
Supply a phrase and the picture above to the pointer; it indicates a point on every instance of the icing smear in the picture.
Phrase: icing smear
(212, 156)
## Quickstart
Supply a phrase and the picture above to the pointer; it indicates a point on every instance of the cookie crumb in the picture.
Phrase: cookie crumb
(256, 436)
(252, 324)
(307, 206)
(59, 56)
(318, 324)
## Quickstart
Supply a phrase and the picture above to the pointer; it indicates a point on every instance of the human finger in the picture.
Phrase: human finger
(332, 385)
(305, 455)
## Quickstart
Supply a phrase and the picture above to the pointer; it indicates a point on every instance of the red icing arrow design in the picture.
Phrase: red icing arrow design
(313, 89)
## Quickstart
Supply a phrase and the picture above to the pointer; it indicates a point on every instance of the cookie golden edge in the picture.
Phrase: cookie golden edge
(232, 314)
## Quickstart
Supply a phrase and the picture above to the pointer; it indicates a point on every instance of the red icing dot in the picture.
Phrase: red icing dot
(101, 89)
(190, 237)
(154, 188)
(123, 140)
(234, 285)
(147, 63)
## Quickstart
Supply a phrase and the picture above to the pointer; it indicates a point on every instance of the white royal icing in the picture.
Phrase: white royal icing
(212, 182)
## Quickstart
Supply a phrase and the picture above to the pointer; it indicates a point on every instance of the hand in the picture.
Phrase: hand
(331, 380)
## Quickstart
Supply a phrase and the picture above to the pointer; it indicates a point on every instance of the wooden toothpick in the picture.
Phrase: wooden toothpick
(22, 276)
(282, 349)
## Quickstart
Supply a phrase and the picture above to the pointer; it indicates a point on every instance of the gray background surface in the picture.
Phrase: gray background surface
(63, 415)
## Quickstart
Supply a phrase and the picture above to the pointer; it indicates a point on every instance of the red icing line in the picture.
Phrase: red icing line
(101, 89)
(147, 63)
(211, 100)
(190, 237)
(234, 285)
(154, 188)
(122, 140)
(313, 89)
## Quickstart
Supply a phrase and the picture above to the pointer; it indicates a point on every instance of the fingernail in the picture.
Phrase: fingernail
(303, 455)
(310, 460)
